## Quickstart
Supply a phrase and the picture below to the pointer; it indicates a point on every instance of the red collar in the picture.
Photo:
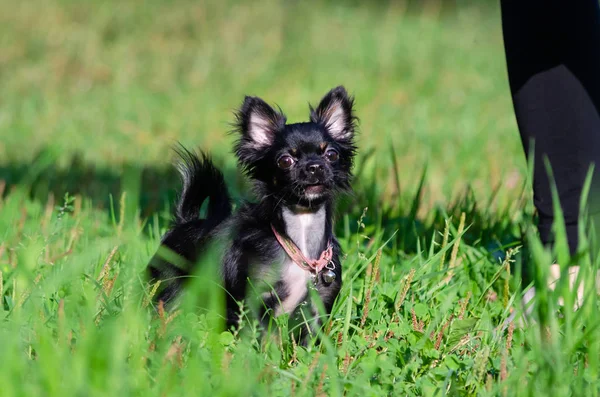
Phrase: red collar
(312, 265)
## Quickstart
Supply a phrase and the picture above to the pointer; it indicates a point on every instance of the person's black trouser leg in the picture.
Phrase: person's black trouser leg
(553, 60)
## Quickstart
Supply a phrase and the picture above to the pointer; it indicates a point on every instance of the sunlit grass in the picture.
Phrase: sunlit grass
(95, 94)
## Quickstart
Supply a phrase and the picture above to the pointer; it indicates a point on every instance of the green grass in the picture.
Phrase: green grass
(95, 94)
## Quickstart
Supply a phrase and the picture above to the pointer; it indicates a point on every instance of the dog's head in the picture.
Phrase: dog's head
(302, 163)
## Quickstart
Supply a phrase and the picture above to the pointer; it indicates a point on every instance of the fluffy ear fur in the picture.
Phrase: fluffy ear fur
(258, 123)
(336, 114)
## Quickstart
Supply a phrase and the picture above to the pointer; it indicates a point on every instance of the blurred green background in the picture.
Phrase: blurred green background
(91, 90)
(93, 96)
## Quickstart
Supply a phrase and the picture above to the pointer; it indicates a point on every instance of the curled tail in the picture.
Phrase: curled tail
(201, 180)
(188, 235)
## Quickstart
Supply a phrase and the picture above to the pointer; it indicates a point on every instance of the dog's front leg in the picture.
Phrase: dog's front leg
(327, 284)
(235, 275)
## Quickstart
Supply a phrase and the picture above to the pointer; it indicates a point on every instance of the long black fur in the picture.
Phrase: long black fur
(189, 234)
(253, 248)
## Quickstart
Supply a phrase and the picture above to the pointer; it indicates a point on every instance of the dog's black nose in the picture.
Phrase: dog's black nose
(315, 169)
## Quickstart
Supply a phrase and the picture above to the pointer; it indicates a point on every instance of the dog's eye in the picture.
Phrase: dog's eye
(332, 155)
(285, 162)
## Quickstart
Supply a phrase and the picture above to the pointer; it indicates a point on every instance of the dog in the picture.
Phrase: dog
(284, 242)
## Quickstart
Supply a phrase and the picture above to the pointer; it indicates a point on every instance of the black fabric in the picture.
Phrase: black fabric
(553, 61)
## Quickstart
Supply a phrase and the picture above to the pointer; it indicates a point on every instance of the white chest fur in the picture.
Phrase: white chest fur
(307, 231)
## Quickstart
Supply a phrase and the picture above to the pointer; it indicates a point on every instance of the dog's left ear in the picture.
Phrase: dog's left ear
(336, 114)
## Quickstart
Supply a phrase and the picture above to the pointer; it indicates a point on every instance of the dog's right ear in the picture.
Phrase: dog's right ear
(257, 122)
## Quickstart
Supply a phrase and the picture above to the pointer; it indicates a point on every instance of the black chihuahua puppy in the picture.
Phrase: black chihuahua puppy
(285, 241)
